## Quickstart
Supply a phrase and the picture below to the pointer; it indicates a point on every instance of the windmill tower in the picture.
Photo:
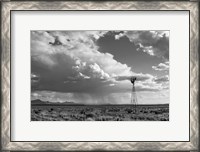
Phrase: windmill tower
(133, 92)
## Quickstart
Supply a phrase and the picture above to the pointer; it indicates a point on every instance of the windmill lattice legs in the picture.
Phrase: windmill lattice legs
(133, 96)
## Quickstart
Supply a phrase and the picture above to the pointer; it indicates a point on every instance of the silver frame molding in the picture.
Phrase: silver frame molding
(8, 6)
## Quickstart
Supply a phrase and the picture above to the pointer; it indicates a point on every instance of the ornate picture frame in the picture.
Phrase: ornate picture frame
(6, 11)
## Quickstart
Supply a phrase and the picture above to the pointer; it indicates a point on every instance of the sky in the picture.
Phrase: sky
(95, 67)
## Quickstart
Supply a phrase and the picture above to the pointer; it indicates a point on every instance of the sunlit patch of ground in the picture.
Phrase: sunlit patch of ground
(100, 113)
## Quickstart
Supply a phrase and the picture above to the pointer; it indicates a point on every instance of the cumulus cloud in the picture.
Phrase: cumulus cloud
(90, 71)
(161, 67)
(118, 36)
(162, 79)
(155, 43)
(61, 66)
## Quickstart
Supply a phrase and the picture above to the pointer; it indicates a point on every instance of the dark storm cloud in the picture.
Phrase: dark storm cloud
(62, 77)
(72, 66)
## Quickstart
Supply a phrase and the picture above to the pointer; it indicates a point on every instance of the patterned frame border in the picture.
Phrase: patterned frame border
(7, 6)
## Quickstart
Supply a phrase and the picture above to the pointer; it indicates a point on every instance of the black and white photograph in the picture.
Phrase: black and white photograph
(100, 75)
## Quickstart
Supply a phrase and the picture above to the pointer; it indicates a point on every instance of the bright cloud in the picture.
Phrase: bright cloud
(161, 67)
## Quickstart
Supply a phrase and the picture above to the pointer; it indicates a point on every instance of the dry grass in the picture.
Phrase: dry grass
(100, 113)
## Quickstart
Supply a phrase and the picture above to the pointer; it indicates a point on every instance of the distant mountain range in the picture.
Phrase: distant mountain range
(38, 101)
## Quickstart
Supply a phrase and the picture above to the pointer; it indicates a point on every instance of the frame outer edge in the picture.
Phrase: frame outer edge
(80, 5)
(5, 66)
(194, 75)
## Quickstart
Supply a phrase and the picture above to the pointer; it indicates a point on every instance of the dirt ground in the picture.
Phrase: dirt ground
(100, 113)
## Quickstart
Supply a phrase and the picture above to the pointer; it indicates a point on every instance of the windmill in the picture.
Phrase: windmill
(133, 92)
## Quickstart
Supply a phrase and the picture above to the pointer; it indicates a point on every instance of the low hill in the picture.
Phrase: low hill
(38, 101)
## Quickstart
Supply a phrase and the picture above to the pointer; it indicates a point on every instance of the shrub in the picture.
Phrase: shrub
(89, 115)
(129, 110)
